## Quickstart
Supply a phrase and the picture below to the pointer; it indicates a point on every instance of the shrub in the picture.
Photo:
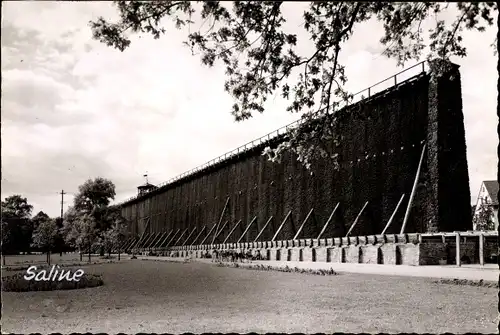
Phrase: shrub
(467, 282)
(263, 267)
(17, 283)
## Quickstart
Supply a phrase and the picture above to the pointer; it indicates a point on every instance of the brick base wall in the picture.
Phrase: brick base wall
(388, 253)
(369, 254)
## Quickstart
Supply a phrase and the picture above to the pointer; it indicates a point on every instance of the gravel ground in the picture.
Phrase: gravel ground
(157, 297)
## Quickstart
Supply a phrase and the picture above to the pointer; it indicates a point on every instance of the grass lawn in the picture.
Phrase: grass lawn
(158, 297)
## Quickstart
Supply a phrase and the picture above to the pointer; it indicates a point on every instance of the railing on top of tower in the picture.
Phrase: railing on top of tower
(283, 130)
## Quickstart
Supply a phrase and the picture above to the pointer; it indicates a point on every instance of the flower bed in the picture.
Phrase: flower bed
(17, 283)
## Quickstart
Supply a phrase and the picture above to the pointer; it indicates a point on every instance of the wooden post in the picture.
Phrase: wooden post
(246, 229)
(155, 241)
(357, 218)
(187, 238)
(328, 221)
(412, 195)
(393, 214)
(148, 245)
(199, 234)
(457, 239)
(236, 225)
(163, 240)
(262, 230)
(129, 243)
(146, 238)
(177, 241)
(303, 223)
(209, 232)
(481, 249)
(281, 226)
(172, 237)
(221, 229)
(220, 220)
(149, 239)
(142, 235)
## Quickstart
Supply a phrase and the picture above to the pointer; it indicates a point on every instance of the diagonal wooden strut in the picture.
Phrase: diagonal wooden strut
(157, 235)
(236, 225)
(163, 240)
(412, 195)
(177, 241)
(209, 232)
(303, 223)
(357, 218)
(281, 226)
(143, 232)
(187, 239)
(172, 237)
(262, 230)
(246, 229)
(221, 229)
(393, 214)
(220, 220)
(199, 234)
(328, 221)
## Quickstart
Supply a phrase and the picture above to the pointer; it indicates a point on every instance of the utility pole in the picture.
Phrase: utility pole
(62, 203)
(62, 211)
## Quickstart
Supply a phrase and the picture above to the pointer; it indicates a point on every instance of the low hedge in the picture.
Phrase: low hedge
(17, 283)
(262, 267)
(468, 282)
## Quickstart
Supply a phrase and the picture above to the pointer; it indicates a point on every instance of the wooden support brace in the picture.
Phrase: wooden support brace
(187, 238)
(126, 243)
(172, 238)
(303, 223)
(199, 234)
(153, 243)
(144, 231)
(412, 195)
(262, 230)
(357, 219)
(141, 243)
(328, 221)
(146, 241)
(209, 232)
(393, 214)
(221, 229)
(177, 241)
(246, 229)
(281, 226)
(232, 230)
(156, 236)
(220, 220)
(133, 243)
(154, 246)
(165, 239)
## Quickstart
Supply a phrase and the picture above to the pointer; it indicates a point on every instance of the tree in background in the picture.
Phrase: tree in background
(93, 198)
(119, 233)
(81, 232)
(38, 218)
(16, 213)
(483, 218)
(5, 238)
(262, 59)
(44, 236)
(17, 207)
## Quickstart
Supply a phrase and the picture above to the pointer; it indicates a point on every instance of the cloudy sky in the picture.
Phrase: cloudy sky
(74, 109)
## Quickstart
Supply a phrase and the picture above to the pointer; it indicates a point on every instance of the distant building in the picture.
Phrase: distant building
(146, 188)
(488, 193)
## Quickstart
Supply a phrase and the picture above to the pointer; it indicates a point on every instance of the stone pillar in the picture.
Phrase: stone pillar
(448, 206)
